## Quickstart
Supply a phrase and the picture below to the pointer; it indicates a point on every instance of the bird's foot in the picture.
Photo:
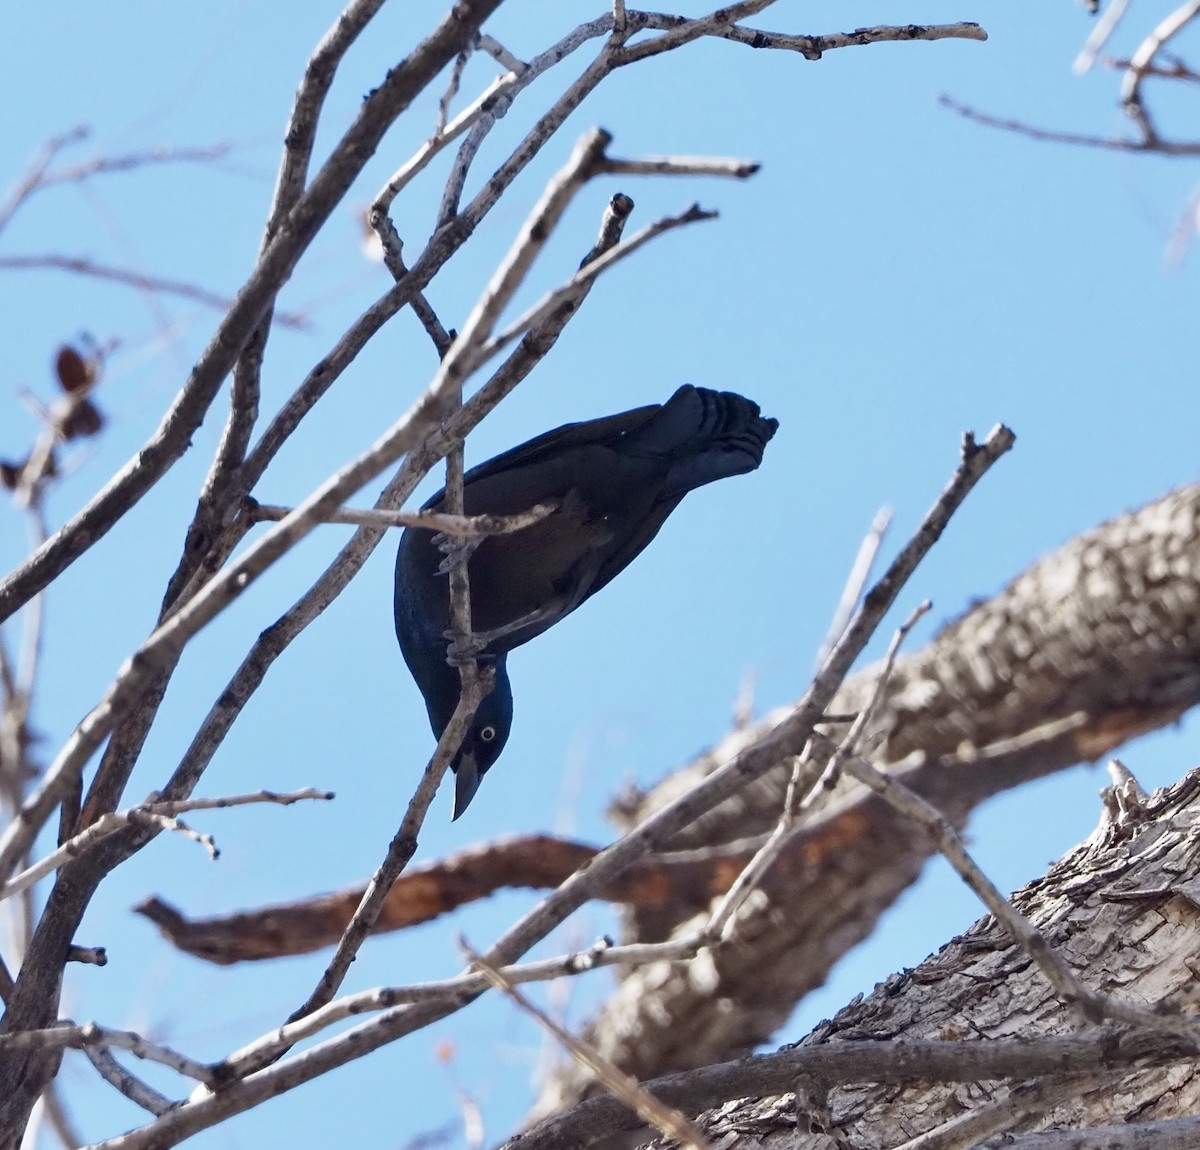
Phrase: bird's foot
(456, 548)
(464, 649)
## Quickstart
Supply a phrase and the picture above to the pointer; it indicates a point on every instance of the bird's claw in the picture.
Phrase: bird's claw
(464, 649)
(456, 548)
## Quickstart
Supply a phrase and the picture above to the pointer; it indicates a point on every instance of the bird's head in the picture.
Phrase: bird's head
(483, 743)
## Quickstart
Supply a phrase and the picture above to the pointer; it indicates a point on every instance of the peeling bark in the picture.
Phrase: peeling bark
(1123, 909)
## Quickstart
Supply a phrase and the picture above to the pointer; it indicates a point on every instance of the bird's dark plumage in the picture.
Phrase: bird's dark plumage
(614, 481)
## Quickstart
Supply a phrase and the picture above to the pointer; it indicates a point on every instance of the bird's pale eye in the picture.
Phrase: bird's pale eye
(488, 733)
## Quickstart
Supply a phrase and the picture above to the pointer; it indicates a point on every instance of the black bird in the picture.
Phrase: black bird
(614, 481)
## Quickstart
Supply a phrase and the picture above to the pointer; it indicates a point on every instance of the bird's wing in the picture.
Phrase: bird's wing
(561, 438)
(632, 545)
(593, 559)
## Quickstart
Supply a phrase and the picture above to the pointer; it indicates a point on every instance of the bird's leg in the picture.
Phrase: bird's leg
(546, 614)
(535, 622)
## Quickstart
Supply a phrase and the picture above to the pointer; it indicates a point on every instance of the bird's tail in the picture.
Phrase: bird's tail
(708, 435)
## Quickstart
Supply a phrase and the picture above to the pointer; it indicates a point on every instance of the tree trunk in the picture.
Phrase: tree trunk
(1123, 909)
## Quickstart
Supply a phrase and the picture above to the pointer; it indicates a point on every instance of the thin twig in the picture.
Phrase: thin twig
(500, 53)
(444, 135)
(59, 1118)
(459, 651)
(1176, 69)
(666, 1120)
(862, 722)
(859, 723)
(222, 802)
(677, 33)
(39, 176)
(814, 47)
(809, 775)
(719, 928)
(305, 116)
(393, 258)
(1143, 58)
(156, 813)
(456, 74)
(467, 526)
(681, 166)
(126, 1083)
(1104, 27)
(554, 299)
(464, 355)
(87, 955)
(89, 268)
(36, 172)
(68, 1034)
(1032, 132)
(178, 826)
(860, 572)
(743, 704)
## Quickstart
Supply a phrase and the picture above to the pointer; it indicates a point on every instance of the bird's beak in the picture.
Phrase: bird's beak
(466, 783)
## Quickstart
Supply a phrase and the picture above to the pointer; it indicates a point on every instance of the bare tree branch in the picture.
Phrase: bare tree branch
(82, 266)
(160, 814)
(1143, 58)
(1112, 143)
(67, 1034)
(464, 525)
(1140, 66)
(39, 175)
(814, 47)
(126, 1083)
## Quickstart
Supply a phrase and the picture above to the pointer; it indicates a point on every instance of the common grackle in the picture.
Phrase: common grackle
(613, 481)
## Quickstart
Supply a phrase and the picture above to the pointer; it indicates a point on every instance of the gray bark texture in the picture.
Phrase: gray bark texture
(1123, 909)
(1095, 644)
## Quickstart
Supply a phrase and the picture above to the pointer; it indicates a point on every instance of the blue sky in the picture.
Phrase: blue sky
(892, 277)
